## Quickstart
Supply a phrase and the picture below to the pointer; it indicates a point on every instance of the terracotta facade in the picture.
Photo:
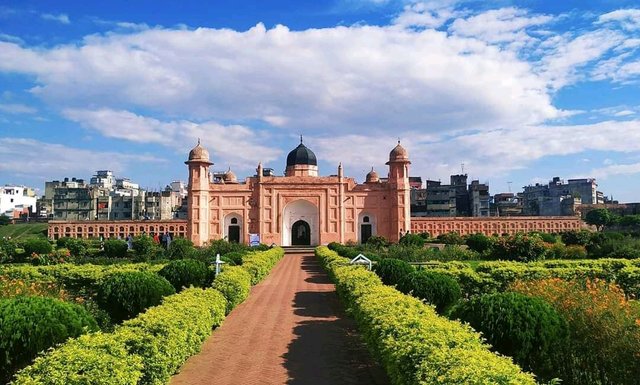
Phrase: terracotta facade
(283, 209)
(114, 229)
(494, 225)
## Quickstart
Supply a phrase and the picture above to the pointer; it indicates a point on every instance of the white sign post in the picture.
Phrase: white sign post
(219, 263)
(361, 260)
(254, 240)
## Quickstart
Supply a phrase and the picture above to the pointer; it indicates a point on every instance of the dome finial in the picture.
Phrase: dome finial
(198, 141)
(300, 138)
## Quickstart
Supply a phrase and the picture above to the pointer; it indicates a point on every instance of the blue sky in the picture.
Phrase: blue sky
(517, 91)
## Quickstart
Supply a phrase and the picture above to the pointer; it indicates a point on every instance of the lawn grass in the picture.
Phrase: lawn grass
(23, 230)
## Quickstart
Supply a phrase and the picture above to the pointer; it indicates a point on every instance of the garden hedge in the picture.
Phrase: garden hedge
(151, 347)
(260, 263)
(414, 344)
(234, 283)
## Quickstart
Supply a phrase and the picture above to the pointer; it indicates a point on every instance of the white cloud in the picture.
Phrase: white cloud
(44, 160)
(616, 169)
(61, 18)
(238, 145)
(624, 113)
(16, 108)
(629, 19)
(433, 14)
(360, 79)
(499, 25)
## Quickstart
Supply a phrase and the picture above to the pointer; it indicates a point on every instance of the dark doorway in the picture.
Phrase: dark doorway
(300, 233)
(234, 233)
(365, 233)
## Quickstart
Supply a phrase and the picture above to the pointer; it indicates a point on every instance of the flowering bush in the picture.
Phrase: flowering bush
(604, 343)
(12, 287)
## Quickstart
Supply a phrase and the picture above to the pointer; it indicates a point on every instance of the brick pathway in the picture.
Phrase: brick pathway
(291, 330)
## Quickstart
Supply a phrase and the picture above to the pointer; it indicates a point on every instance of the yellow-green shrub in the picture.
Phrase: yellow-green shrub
(166, 335)
(234, 283)
(415, 345)
(96, 359)
(259, 264)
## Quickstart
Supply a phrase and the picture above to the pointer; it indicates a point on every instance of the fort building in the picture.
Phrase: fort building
(302, 207)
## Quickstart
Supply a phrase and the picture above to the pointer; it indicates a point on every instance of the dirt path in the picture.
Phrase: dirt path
(291, 330)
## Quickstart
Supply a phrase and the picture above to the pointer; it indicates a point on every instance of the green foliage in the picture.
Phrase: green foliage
(451, 238)
(4, 220)
(222, 247)
(414, 344)
(29, 325)
(145, 248)
(7, 250)
(186, 272)
(479, 242)
(392, 271)
(234, 283)
(438, 289)
(525, 328)
(235, 257)
(519, 247)
(604, 335)
(259, 264)
(181, 248)
(96, 359)
(37, 246)
(629, 220)
(115, 248)
(77, 247)
(410, 239)
(576, 237)
(599, 218)
(377, 242)
(21, 231)
(166, 335)
(124, 295)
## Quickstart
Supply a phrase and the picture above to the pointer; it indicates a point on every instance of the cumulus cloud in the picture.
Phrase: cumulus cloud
(362, 79)
(238, 145)
(616, 169)
(628, 19)
(42, 160)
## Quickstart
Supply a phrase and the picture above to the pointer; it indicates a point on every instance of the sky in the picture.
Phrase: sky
(510, 92)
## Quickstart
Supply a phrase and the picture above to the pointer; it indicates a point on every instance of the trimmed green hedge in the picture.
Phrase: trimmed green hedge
(187, 272)
(166, 335)
(414, 344)
(96, 359)
(260, 263)
(234, 283)
(29, 325)
(151, 347)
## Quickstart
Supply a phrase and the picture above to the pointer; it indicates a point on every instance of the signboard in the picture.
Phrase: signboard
(254, 240)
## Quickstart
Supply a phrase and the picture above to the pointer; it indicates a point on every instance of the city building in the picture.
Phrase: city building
(507, 205)
(451, 200)
(17, 201)
(558, 198)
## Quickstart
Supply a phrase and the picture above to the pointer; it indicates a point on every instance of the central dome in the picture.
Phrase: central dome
(301, 155)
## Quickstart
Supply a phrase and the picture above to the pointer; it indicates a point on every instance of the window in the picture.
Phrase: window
(365, 219)
(234, 221)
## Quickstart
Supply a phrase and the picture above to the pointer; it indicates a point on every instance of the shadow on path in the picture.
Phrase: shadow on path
(326, 349)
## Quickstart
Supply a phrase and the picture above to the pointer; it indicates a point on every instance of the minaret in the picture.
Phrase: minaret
(399, 186)
(198, 195)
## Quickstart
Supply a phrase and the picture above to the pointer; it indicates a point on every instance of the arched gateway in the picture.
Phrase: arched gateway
(300, 224)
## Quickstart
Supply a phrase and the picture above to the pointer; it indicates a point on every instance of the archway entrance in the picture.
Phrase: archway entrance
(233, 228)
(234, 231)
(367, 227)
(300, 223)
(300, 234)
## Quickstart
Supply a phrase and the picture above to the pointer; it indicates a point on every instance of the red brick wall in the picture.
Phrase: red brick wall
(113, 229)
(493, 225)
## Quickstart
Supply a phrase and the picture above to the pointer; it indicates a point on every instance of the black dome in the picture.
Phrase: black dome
(301, 155)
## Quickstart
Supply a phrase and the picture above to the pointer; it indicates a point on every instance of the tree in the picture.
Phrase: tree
(599, 218)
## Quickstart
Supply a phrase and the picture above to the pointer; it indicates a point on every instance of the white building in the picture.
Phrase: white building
(16, 198)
